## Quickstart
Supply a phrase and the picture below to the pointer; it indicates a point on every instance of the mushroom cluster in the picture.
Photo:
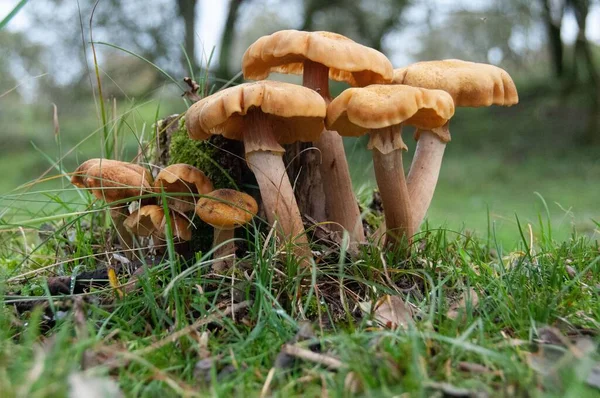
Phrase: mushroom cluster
(266, 115)
(186, 189)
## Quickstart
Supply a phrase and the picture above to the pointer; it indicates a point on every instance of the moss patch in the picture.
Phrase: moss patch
(222, 161)
(210, 156)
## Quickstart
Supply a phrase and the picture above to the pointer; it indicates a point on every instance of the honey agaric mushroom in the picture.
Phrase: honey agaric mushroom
(382, 110)
(264, 115)
(150, 220)
(225, 210)
(78, 176)
(114, 181)
(470, 85)
(182, 178)
(320, 56)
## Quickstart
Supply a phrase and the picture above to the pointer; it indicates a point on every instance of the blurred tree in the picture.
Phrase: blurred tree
(582, 55)
(19, 54)
(554, 11)
(357, 19)
(502, 33)
(187, 11)
(152, 29)
(224, 70)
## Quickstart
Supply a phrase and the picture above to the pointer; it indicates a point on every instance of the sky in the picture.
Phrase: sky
(211, 16)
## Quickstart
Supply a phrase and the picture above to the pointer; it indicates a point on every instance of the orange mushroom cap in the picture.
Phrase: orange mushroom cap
(470, 84)
(357, 110)
(150, 220)
(112, 180)
(226, 208)
(295, 112)
(182, 178)
(80, 174)
(285, 52)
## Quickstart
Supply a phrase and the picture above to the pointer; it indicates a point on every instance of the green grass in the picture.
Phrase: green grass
(122, 338)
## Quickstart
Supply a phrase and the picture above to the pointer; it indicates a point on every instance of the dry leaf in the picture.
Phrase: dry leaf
(459, 308)
(392, 312)
(85, 386)
(557, 351)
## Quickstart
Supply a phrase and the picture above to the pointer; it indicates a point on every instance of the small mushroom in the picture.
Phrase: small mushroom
(264, 115)
(225, 210)
(79, 175)
(320, 56)
(381, 110)
(182, 178)
(150, 220)
(470, 85)
(114, 181)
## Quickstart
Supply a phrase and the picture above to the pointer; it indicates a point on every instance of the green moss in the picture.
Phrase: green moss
(373, 219)
(314, 307)
(200, 154)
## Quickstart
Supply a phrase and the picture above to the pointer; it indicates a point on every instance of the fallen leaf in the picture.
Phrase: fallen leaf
(82, 385)
(468, 299)
(557, 352)
(392, 312)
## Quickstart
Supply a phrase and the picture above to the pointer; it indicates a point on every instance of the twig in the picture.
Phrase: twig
(192, 92)
(188, 329)
(308, 355)
(267, 386)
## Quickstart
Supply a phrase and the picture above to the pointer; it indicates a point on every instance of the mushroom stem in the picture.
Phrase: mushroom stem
(341, 205)
(264, 157)
(425, 170)
(389, 173)
(316, 77)
(223, 235)
(118, 214)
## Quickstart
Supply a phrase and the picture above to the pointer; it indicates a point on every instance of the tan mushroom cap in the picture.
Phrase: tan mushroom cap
(357, 110)
(150, 221)
(79, 175)
(285, 52)
(470, 84)
(145, 221)
(182, 178)
(295, 112)
(115, 182)
(227, 208)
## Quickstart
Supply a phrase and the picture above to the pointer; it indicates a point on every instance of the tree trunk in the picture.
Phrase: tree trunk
(187, 11)
(583, 53)
(554, 40)
(224, 71)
